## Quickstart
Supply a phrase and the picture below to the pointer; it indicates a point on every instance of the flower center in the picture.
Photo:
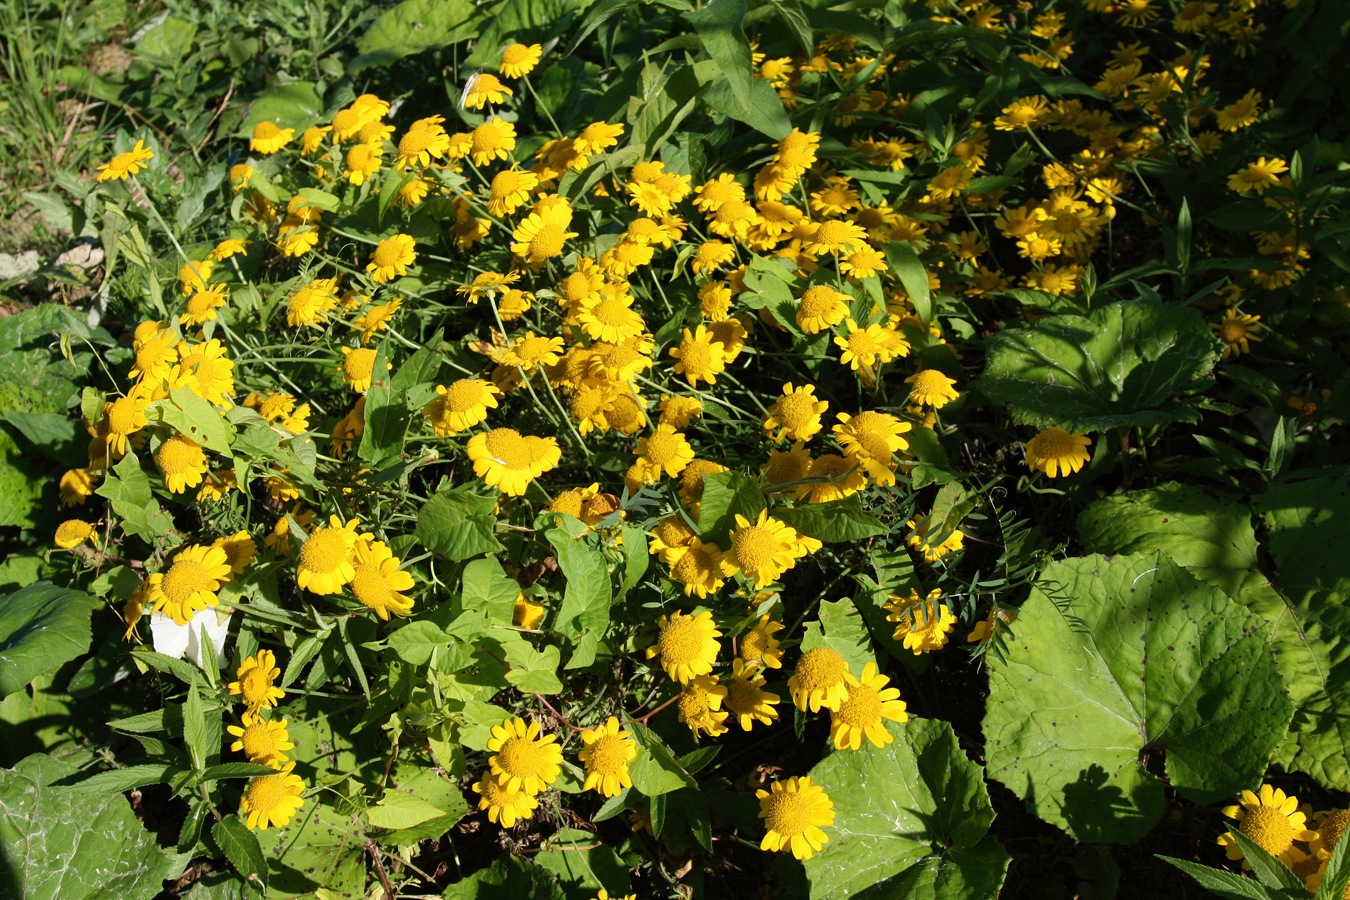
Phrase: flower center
(257, 740)
(754, 547)
(122, 416)
(520, 758)
(177, 455)
(507, 446)
(359, 364)
(862, 708)
(325, 551)
(184, 579)
(387, 254)
(415, 142)
(548, 241)
(608, 755)
(265, 793)
(611, 311)
(742, 696)
(465, 394)
(796, 410)
(663, 448)
(1233, 331)
(820, 668)
(370, 586)
(681, 640)
(696, 356)
(788, 814)
(1269, 828)
(862, 344)
(255, 685)
(833, 232)
(693, 566)
(1056, 442)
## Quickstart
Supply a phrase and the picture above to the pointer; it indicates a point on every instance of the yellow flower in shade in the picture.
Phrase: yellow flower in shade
(328, 557)
(263, 741)
(606, 756)
(527, 614)
(795, 415)
(482, 89)
(268, 138)
(256, 685)
(700, 356)
(700, 706)
(834, 478)
(362, 162)
(1237, 331)
(311, 139)
(522, 760)
(1272, 820)
(272, 800)
(192, 277)
(787, 467)
(604, 895)
(77, 486)
(1020, 114)
(678, 411)
(697, 566)
(182, 462)
(126, 164)
(377, 581)
(797, 152)
(228, 248)
(864, 348)
(504, 806)
(691, 479)
(794, 812)
(190, 583)
(542, 235)
(819, 681)
(1258, 176)
(532, 351)
(240, 174)
(125, 416)
(509, 461)
(764, 549)
(1238, 115)
(392, 257)
(931, 388)
(494, 139)
(518, 60)
(311, 302)
(596, 137)
(745, 698)
(358, 368)
(664, 451)
(462, 405)
(1057, 453)
(864, 711)
(134, 608)
(758, 645)
(923, 625)
(918, 539)
(72, 533)
(687, 645)
(240, 548)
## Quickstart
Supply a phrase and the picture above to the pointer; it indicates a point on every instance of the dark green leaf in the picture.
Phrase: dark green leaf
(42, 626)
(241, 848)
(834, 522)
(458, 524)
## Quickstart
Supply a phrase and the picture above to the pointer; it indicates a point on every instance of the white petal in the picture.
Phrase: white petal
(169, 637)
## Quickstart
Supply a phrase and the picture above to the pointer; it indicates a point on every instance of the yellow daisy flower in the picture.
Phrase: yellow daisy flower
(522, 760)
(392, 257)
(272, 800)
(377, 580)
(190, 583)
(606, 755)
(327, 561)
(819, 681)
(687, 645)
(794, 812)
(124, 165)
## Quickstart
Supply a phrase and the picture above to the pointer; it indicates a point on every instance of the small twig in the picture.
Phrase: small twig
(557, 715)
(388, 886)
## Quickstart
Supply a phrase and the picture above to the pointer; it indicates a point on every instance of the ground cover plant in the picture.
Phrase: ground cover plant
(877, 449)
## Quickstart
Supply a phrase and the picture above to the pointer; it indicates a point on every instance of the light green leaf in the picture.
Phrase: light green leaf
(719, 27)
(458, 524)
(413, 26)
(921, 820)
(386, 415)
(765, 112)
(904, 262)
(835, 522)
(488, 591)
(60, 843)
(42, 627)
(508, 876)
(1117, 367)
(582, 865)
(725, 496)
(1310, 608)
(1115, 655)
(127, 486)
(586, 599)
(840, 627)
(400, 809)
(533, 671)
(656, 771)
(1218, 881)
(318, 848)
(415, 641)
(295, 105)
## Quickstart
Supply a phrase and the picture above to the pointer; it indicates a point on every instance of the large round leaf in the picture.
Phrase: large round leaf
(42, 626)
(910, 820)
(1122, 663)
(1117, 367)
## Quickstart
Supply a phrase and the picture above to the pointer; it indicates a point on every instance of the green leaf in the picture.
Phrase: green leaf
(42, 627)
(1336, 873)
(61, 843)
(1218, 881)
(386, 415)
(587, 597)
(234, 770)
(1119, 658)
(458, 524)
(413, 26)
(1269, 870)
(1117, 367)
(127, 486)
(400, 809)
(1310, 608)
(583, 865)
(765, 112)
(241, 848)
(55, 434)
(656, 771)
(1212, 538)
(635, 557)
(725, 496)
(487, 591)
(719, 27)
(118, 781)
(296, 105)
(318, 848)
(834, 522)
(840, 627)
(194, 728)
(508, 876)
(904, 261)
(921, 819)
(415, 641)
(533, 671)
